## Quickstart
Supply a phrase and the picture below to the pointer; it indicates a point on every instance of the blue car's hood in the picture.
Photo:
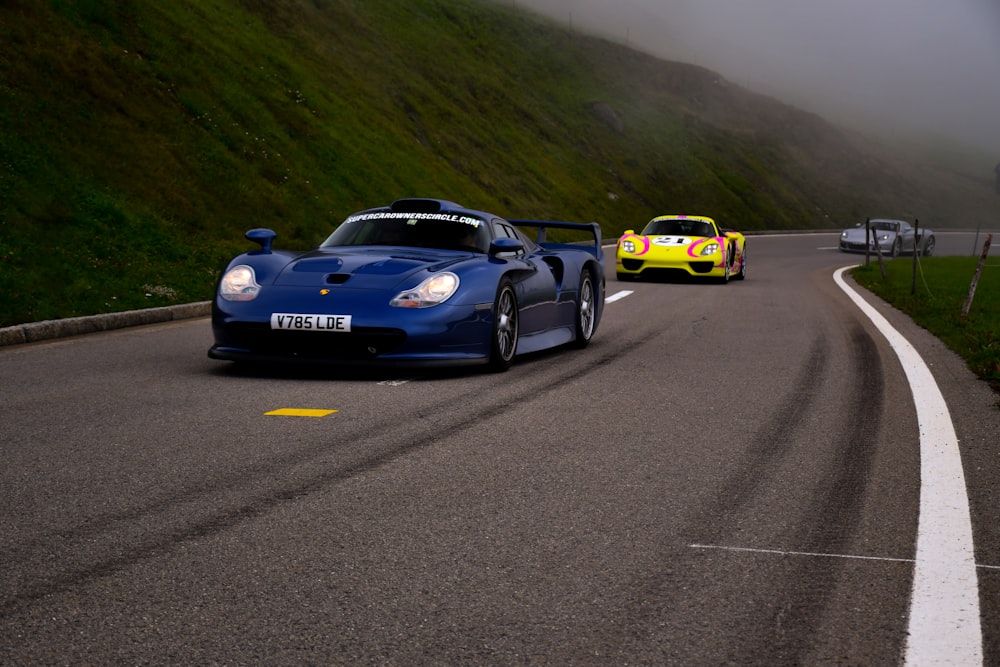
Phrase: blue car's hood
(366, 268)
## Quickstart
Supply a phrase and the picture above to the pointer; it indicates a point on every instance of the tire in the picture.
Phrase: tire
(586, 310)
(503, 339)
(742, 275)
(725, 271)
(928, 247)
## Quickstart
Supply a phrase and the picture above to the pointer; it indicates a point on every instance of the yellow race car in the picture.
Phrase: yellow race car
(682, 246)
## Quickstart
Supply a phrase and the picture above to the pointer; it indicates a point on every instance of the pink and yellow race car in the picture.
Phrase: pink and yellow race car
(682, 246)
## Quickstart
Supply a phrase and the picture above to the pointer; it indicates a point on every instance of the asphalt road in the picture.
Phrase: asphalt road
(727, 475)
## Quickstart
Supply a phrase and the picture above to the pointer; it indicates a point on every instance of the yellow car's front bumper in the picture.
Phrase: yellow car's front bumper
(699, 257)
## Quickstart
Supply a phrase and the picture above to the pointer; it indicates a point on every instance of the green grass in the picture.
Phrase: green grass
(937, 302)
(139, 140)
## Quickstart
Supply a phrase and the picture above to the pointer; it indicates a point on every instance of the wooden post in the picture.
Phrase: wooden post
(868, 240)
(975, 278)
(916, 245)
(878, 253)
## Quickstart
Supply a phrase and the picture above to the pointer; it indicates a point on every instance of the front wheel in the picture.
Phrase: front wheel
(726, 269)
(586, 310)
(503, 345)
(742, 275)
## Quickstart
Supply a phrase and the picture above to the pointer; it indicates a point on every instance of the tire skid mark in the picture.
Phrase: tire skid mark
(98, 534)
(839, 499)
(766, 446)
(721, 514)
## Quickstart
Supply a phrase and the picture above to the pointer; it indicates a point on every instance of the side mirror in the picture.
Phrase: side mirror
(263, 236)
(506, 245)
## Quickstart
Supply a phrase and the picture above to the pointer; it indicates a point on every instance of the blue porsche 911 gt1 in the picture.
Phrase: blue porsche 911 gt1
(420, 282)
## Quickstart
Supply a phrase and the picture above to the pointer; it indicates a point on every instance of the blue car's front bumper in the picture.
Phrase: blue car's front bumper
(445, 334)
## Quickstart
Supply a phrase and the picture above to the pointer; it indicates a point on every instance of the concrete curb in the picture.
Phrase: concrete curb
(75, 326)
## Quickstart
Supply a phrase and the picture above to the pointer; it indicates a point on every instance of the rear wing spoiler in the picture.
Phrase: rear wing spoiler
(542, 225)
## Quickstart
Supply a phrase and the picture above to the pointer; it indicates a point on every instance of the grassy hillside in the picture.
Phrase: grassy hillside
(139, 140)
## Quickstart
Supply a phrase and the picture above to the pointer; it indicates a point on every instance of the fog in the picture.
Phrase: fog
(899, 66)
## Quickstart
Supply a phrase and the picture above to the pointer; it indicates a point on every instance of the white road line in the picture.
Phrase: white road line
(617, 295)
(786, 552)
(781, 552)
(395, 382)
(944, 625)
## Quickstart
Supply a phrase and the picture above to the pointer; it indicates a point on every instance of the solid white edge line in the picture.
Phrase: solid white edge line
(944, 624)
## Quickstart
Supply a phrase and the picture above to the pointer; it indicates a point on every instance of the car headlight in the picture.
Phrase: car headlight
(843, 234)
(239, 284)
(628, 246)
(709, 249)
(436, 289)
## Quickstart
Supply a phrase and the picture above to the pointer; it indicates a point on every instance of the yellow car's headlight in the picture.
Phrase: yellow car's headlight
(709, 249)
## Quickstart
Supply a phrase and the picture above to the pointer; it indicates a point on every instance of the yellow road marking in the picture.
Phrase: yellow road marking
(299, 412)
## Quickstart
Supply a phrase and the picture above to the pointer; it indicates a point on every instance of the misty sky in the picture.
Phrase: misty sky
(921, 64)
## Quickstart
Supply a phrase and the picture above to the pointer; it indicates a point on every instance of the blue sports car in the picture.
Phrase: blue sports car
(419, 282)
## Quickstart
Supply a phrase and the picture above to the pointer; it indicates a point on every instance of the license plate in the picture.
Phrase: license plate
(305, 322)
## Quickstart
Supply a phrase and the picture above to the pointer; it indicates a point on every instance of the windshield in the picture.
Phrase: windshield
(679, 228)
(885, 226)
(446, 231)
